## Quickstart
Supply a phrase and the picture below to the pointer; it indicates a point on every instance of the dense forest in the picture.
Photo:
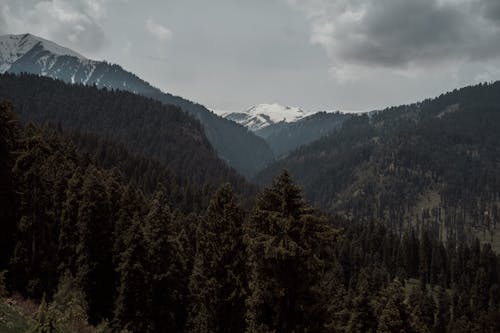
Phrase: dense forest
(431, 165)
(99, 254)
(132, 124)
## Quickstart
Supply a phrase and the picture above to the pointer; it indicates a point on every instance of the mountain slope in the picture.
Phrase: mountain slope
(144, 126)
(31, 54)
(284, 137)
(286, 128)
(430, 164)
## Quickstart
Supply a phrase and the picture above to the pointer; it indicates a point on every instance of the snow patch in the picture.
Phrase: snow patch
(277, 113)
(263, 115)
(13, 47)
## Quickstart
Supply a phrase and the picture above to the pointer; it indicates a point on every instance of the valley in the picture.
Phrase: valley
(128, 209)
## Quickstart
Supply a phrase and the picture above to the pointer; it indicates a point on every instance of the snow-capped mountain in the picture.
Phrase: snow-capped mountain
(14, 47)
(263, 115)
(34, 55)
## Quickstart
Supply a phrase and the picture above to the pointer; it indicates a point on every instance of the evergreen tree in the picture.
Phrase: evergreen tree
(68, 233)
(94, 260)
(68, 306)
(167, 266)
(44, 320)
(9, 136)
(283, 238)
(393, 314)
(442, 311)
(218, 284)
(132, 306)
(361, 313)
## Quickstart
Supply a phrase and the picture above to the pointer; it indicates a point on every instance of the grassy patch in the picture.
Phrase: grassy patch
(11, 321)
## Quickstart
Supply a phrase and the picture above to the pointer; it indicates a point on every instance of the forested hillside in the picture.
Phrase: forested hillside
(434, 164)
(239, 147)
(99, 256)
(113, 121)
(233, 142)
(284, 137)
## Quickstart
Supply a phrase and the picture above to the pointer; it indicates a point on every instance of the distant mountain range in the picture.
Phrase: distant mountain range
(247, 141)
(261, 116)
(286, 128)
(31, 54)
(284, 137)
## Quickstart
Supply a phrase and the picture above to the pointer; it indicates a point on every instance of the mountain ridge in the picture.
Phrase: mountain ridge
(432, 164)
(263, 115)
(232, 141)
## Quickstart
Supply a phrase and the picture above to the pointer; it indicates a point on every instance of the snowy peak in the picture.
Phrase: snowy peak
(14, 47)
(263, 115)
(276, 112)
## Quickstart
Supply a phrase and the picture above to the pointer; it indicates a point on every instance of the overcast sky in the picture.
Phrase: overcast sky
(315, 54)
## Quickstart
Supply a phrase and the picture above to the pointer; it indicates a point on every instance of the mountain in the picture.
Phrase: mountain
(263, 115)
(31, 54)
(14, 47)
(126, 127)
(433, 164)
(96, 255)
(286, 128)
(284, 137)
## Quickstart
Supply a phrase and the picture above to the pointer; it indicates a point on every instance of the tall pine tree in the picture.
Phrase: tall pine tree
(218, 285)
(284, 238)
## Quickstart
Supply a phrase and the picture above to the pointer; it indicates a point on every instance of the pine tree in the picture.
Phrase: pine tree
(132, 306)
(69, 306)
(94, 260)
(218, 284)
(68, 233)
(442, 317)
(32, 251)
(284, 238)
(167, 265)
(361, 313)
(9, 136)
(44, 320)
(393, 314)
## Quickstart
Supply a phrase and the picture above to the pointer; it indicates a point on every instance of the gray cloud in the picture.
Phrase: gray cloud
(75, 23)
(402, 34)
(316, 54)
(492, 9)
(158, 31)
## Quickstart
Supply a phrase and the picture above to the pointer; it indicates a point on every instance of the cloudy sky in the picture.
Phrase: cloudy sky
(315, 54)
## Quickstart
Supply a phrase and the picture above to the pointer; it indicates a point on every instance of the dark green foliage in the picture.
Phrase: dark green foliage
(95, 247)
(218, 282)
(45, 322)
(392, 314)
(68, 306)
(431, 165)
(8, 142)
(139, 128)
(233, 142)
(93, 252)
(132, 305)
(168, 258)
(284, 241)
